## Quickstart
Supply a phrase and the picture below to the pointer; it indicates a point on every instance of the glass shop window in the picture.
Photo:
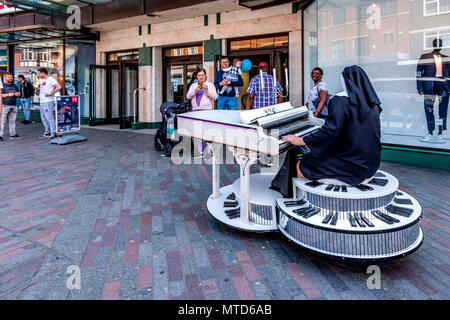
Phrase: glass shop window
(391, 40)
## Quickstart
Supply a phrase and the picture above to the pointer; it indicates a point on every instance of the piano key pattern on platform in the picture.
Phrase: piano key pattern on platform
(342, 204)
(360, 223)
(350, 245)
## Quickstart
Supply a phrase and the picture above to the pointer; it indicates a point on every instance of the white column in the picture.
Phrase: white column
(216, 155)
(157, 80)
(295, 67)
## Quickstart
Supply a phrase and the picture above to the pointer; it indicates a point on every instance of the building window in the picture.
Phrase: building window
(362, 46)
(388, 7)
(433, 7)
(339, 17)
(338, 49)
(259, 43)
(388, 37)
(429, 37)
(184, 51)
(361, 12)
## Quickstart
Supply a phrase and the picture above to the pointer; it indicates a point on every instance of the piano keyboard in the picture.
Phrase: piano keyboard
(302, 132)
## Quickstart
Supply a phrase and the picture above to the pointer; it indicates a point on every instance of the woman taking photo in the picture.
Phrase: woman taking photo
(318, 96)
(202, 95)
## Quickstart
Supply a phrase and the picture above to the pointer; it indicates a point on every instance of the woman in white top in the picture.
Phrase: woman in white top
(319, 90)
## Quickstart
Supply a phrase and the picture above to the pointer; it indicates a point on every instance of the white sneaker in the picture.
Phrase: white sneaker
(429, 138)
(440, 139)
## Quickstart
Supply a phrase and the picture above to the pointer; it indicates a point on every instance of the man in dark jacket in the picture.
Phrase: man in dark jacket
(26, 94)
(10, 92)
(433, 74)
(227, 99)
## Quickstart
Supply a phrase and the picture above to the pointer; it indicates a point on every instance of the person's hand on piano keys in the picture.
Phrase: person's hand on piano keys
(294, 140)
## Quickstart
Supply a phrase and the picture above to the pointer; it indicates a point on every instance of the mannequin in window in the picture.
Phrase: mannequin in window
(433, 74)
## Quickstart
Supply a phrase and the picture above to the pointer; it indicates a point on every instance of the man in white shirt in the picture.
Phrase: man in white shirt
(47, 90)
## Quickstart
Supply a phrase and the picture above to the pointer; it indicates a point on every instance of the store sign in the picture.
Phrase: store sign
(4, 9)
(124, 56)
(3, 58)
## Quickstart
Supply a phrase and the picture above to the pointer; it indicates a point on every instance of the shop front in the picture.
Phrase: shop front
(66, 60)
(112, 87)
(272, 49)
(3, 61)
(387, 38)
(179, 66)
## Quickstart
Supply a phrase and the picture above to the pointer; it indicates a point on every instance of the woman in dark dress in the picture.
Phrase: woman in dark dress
(348, 146)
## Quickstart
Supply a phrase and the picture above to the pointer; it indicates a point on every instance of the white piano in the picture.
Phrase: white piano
(248, 204)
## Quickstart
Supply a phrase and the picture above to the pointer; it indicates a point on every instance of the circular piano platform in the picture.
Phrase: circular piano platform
(372, 222)
(262, 205)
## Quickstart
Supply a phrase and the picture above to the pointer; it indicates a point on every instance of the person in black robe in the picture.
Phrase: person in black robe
(347, 147)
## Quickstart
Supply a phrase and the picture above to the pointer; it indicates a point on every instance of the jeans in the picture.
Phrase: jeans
(48, 117)
(9, 115)
(430, 98)
(26, 107)
(227, 103)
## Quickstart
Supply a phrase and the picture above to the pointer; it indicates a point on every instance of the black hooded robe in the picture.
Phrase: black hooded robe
(344, 148)
(348, 146)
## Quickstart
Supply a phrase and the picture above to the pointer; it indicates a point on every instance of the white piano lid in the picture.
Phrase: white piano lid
(252, 116)
(229, 117)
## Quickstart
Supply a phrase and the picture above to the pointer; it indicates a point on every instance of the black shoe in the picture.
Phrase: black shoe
(16, 137)
(26, 122)
(1, 138)
(45, 136)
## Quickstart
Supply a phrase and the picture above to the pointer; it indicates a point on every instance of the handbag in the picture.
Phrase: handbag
(324, 113)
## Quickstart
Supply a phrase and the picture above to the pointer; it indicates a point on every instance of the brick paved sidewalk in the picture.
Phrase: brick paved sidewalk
(137, 227)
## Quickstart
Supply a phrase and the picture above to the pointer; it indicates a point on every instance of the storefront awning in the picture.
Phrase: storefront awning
(39, 33)
(50, 6)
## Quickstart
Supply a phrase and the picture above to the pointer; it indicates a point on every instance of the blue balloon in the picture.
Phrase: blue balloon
(246, 65)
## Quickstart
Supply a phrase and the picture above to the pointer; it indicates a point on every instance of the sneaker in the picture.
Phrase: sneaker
(27, 122)
(440, 139)
(16, 137)
(429, 138)
(53, 136)
(45, 136)
(1, 138)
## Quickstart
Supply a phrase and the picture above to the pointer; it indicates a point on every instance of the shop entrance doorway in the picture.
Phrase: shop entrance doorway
(274, 50)
(112, 94)
(178, 77)
(179, 66)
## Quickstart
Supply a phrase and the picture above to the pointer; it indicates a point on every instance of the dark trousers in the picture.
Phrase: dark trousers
(430, 98)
